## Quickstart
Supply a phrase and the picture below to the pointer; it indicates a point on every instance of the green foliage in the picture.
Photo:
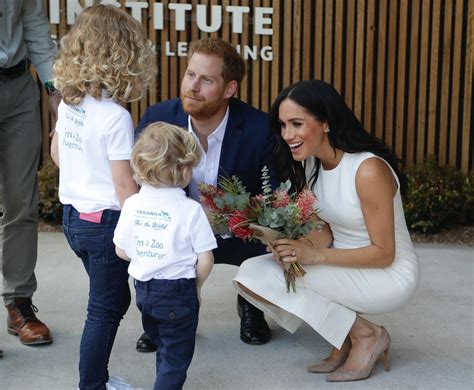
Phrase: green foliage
(284, 186)
(232, 186)
(468, 190)
(235, 195)
(266, 186)
(50, 209)
(287, 220)
(437, 197)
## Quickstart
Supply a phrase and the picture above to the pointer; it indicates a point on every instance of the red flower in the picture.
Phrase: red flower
(281, 199)
(208, 203)
(305, 202)
(238, 224)
(208, 193)
(259, 198)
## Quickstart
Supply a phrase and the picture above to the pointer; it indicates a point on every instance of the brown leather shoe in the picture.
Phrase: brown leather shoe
(22, 322)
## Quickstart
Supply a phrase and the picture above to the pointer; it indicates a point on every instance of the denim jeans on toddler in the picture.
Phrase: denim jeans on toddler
(170, 314)
(109, 293)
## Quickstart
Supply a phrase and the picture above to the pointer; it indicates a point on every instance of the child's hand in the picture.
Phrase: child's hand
(199, 296)
(121, 253)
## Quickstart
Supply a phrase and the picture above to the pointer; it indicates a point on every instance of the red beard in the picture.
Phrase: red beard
(200, 109)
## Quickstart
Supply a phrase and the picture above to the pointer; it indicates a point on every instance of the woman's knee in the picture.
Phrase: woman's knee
(254, 295)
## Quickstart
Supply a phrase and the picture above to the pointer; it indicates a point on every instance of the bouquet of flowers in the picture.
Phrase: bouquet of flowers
(268, 216)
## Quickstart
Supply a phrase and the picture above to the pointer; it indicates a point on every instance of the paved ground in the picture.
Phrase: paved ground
(432, 337)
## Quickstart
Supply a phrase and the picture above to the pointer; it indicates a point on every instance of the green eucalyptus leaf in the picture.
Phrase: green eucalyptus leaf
(229, 199)
(219, 201)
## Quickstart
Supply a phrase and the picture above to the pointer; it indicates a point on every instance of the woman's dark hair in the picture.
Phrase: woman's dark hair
(346, 133)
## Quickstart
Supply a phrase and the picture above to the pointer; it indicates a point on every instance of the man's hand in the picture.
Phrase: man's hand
(54, 100)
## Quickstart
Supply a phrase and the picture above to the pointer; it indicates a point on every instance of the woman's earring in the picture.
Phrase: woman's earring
(327, 129)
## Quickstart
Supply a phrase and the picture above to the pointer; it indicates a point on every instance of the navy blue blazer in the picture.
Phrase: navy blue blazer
(246, 148)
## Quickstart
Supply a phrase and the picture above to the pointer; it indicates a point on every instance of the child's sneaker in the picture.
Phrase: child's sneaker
(116, 383)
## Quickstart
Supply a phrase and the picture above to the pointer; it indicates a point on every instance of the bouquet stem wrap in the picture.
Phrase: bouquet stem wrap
(291, 270)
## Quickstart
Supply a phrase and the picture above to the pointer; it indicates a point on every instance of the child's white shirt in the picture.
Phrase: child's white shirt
(89, 136)
(162, 231)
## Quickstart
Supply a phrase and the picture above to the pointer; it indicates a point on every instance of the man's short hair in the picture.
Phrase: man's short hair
(234, 66)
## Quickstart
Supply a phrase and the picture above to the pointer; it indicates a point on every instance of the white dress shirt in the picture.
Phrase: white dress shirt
(208, 168)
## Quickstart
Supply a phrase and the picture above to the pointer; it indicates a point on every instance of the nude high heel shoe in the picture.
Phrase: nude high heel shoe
(381, 349)
(329, 365)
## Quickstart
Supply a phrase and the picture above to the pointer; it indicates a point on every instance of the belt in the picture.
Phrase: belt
(15, 71)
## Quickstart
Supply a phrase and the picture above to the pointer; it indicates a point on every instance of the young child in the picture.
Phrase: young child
(105, 60)
(169, 241)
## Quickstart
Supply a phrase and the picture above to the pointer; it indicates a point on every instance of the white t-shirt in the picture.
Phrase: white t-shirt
(89, 136)
(162, 231)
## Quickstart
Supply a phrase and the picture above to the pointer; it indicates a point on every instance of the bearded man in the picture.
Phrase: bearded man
(235, 139)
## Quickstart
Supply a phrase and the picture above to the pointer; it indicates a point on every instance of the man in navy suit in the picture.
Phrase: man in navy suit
(235, 139)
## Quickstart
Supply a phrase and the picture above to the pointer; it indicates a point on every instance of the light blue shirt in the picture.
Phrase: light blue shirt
(25, 33)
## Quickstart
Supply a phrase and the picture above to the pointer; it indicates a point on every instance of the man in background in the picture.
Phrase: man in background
(235, 139)
(24, 40)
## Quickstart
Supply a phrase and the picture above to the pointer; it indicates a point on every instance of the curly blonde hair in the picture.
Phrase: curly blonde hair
(106, 50)
(164, 156)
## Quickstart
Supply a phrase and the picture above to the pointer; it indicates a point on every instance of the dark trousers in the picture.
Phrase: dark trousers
(170, 313)
(20, 146)
(234, 251)
(109, 293)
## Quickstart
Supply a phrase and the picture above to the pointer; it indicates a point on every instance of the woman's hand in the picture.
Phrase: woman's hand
(275, 256)
(302, 250)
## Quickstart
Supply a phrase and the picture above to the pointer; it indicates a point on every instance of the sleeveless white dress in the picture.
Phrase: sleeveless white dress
(329, 297)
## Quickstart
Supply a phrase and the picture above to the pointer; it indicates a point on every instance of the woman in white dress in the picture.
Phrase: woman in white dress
(363, 260)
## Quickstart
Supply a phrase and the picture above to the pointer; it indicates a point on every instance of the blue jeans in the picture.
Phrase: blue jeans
(170, 314)
(109, 294)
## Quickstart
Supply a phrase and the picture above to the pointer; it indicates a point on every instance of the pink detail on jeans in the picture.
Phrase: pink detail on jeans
(92, 217)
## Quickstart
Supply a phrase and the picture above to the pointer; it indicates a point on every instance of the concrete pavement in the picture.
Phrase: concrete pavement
(432, 336)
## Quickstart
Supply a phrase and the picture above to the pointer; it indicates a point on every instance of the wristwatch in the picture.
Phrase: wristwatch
(49, 86)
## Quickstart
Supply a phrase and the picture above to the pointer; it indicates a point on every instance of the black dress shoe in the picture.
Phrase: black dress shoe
(253, 327)
(144, 344)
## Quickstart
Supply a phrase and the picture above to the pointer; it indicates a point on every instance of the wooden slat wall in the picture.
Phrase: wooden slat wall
(404, 66)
